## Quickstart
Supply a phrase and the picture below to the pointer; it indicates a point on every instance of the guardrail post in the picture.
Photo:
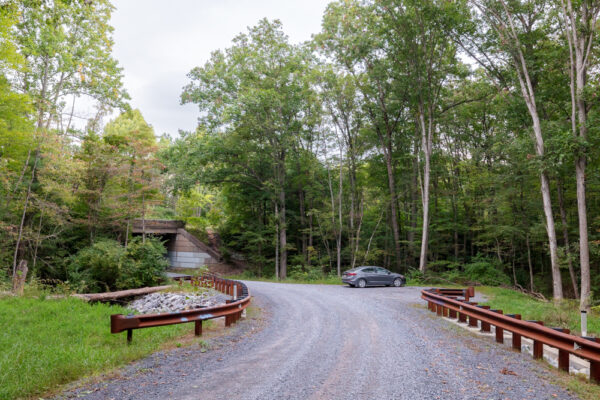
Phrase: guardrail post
(538, 347)
(563, 356)
(198, 327)
(470, 292)
(452, 313)
(516, 338)
(485, 326)
(472, 320)
(445, 311)
(129, 336)
(499, 331)
(462, 317)
(439, 309)
(594, 365)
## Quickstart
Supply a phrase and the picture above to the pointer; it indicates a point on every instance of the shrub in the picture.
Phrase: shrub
(486, 271)
(107, 265)
(305, 273)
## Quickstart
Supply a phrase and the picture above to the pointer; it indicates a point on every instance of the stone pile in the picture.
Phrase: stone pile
(164, 302)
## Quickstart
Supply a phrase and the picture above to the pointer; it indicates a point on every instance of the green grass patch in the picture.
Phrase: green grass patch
(47, 343)
(562, 315)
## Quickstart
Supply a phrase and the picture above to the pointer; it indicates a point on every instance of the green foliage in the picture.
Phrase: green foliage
(305, 273)
(486, 272)
(107, 265)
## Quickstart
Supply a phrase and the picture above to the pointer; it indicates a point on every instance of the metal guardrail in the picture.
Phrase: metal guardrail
(232, 311)
(587, 348)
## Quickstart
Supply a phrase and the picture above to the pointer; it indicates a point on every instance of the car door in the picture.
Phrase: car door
(370, 275)
(384, 277)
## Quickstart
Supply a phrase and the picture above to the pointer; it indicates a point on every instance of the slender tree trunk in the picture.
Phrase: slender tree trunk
(531, 286)
(372, 235)
(339, 235)
(304, 238)
(282, 237)
(276, 241)
(580, 26)
(414, 193)
(565, 231)
(22, 224)
(506, 29)
(426, 145)
(143, 218)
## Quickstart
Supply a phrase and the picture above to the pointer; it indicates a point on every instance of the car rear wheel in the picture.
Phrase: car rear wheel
(397, 282)
(362, 283)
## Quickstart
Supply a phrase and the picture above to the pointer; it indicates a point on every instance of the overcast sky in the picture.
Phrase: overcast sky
(158, 42)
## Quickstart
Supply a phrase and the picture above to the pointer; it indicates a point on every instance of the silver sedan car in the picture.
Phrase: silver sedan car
(372, 276)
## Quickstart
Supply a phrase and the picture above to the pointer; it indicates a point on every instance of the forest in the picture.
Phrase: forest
(454, 139)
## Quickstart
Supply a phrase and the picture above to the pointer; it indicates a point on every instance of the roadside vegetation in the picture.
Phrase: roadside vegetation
(46, 343)
(564, 314)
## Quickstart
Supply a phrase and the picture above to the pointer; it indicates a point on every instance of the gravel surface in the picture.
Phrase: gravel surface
(334, 342)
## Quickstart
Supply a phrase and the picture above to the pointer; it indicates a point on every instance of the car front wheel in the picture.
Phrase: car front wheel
(362, 283)
(397, 282)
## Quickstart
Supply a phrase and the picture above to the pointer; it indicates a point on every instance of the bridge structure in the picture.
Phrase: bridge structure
(184, 250)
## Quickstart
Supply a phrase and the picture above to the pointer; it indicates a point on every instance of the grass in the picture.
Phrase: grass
(563, 315)
(47, 343)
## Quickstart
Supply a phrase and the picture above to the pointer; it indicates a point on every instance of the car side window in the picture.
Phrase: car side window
(369, 270)
(382, 271)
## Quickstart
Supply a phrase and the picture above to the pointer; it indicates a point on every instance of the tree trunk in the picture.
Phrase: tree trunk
(426, 145)
(565, 231)
(580, 27)
(276, 241)
(531, 286)
(19, 277)
(282, 237)
(339, 235)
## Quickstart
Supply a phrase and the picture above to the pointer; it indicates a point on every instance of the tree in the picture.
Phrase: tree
(509, 30)
(257, 93)
(579, 24)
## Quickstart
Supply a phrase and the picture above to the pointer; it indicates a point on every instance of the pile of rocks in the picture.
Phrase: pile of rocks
(163, 302)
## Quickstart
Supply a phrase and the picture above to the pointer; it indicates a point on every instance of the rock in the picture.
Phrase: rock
(162, 302)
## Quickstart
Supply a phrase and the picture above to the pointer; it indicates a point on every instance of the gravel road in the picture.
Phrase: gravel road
(334, 342)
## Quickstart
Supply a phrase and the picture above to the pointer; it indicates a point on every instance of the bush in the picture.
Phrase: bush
(486, 271)
(107, 265)
(305, 273)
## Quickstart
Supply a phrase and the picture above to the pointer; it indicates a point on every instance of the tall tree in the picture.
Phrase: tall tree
(580, 24)
(257, 91)
(511, 23)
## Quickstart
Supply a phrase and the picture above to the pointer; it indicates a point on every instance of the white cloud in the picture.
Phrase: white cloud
(158, 42)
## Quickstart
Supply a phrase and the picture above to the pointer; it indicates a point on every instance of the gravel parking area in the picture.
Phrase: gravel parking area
(335, 342)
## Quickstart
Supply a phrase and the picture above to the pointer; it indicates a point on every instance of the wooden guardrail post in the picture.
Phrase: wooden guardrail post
(499, 331)
(473, 322)
(563, 356)
(462, 317)
(452, 313)
(516, 338)
(198, 327)
(485, 326)
(538, 347)
(594, 365)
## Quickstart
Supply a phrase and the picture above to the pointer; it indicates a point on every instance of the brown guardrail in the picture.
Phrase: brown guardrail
(232, 311)
(587, 348)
